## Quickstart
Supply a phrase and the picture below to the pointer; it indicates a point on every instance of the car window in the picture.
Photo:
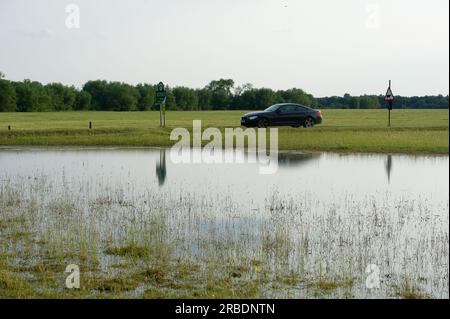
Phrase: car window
(298, 109)
(282, 109)
(302, 109)
(272, 108)
(288, 109)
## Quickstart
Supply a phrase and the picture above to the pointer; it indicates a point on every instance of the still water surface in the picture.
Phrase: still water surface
(326, 176)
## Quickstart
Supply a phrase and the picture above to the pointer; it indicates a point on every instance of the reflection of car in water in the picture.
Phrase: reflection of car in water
(161, 168)
(291, 160)
(285, 114)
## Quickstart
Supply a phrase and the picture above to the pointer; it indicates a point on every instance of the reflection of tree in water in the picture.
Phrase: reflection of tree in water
(389, 167)
(161, 167)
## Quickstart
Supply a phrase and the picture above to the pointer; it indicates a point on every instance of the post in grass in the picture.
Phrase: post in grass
(160, 99)
(389, 98)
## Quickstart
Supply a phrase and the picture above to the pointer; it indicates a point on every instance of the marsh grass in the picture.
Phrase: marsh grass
(191, 247)
(327, 286)
(409, 290)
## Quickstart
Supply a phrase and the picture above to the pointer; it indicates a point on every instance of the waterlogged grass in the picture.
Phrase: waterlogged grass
(410, 291)
(191, 247)
(412, 131)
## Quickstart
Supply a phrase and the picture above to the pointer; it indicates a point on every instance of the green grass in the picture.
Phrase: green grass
(412, 131)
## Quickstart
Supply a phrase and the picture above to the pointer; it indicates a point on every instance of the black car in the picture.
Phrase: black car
(285, 114)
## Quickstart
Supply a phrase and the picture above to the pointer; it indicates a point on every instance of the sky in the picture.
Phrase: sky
(325, 47)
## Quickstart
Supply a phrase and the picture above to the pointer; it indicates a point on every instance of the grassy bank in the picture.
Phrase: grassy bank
(412, 131)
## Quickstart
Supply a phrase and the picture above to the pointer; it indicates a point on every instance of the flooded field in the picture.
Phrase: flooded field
(324, 226)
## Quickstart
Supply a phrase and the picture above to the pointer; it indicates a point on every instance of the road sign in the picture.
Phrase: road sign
(389, 96)
(160, 96)
(160, 99)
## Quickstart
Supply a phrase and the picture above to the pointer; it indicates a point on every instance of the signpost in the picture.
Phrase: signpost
(160, 99)
(389, 98)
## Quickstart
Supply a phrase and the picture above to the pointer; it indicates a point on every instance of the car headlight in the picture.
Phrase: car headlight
(254, 117)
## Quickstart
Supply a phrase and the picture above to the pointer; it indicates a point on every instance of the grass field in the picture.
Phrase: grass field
(412, 131)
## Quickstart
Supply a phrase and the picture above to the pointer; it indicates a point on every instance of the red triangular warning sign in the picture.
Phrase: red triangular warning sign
(389, 95)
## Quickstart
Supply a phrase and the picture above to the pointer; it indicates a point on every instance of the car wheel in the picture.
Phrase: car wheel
(309, 122)
(263, 123)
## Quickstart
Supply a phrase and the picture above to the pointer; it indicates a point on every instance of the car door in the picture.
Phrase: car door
(300, 114)
(286, 115)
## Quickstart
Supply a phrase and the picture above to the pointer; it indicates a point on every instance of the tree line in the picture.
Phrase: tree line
(372, 101)
(32, 96)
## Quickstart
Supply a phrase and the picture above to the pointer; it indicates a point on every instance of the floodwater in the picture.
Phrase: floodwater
(332, 214)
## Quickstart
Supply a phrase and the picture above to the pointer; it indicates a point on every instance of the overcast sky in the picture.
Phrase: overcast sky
(325, 47)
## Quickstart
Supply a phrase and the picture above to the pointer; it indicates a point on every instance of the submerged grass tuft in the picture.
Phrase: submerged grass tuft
(410, 291)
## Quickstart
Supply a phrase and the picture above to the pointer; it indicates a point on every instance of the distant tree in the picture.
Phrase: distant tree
(346, 100)
(70, 94)
(264, 98)
(369, 102)
(241, 89)
(204, 97)
(335, 102)
(112, 96)
(246, 99)
(98, 91)
(32, 97)
(146, 97)
(185, 98)
(299, 96)
(7, 96)
(221, 91)
(26, 96)
(120, 97)
(354, 102)
(2, 75)
(62, 97)
(82, 101)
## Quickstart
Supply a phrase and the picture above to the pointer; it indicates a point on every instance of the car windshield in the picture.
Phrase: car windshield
(272, 108)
